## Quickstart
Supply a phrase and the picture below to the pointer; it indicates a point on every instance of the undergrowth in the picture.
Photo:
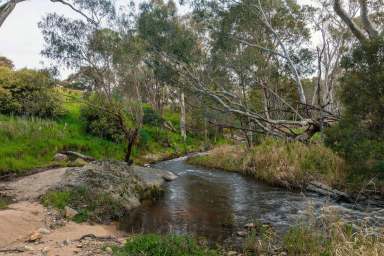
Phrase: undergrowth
(277, 162)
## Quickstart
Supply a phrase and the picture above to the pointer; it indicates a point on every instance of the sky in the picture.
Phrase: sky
(20, 38)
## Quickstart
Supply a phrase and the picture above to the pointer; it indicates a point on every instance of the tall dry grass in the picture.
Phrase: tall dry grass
(277, 162)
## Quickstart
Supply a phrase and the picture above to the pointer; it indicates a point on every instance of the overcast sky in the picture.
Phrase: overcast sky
(20, 38)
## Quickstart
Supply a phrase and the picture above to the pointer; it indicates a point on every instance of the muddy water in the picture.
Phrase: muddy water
(215, 205)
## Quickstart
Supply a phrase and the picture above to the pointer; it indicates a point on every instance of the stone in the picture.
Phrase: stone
(66, 242)
(231, 253)
(242, 233)
(170, 176)
(35, 236)
(250, 226)
(43, 231)
(79, 162)
(109, 250)
(27, 248)
(69, 212)
(60, 157)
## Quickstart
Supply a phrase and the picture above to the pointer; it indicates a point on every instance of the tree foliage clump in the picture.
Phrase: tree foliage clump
(99, 121)
(28, 93)
(359, 136)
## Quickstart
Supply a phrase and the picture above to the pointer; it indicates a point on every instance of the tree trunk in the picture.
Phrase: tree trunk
(131, 141)
(183, 129)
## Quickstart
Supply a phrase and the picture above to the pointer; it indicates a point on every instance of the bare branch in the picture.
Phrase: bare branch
(359, 34)
(372, 32)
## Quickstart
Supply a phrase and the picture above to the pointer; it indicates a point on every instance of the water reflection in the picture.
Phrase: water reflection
(215, 204)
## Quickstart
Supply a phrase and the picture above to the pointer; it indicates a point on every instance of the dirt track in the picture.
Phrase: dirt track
(27, 218)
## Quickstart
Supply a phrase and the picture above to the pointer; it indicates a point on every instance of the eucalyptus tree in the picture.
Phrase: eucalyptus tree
(107, 55)
(167, 37)
(78, 6)
(256, 57)
(370, 24)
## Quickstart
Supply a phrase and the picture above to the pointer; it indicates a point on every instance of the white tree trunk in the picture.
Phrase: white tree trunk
(183, 129)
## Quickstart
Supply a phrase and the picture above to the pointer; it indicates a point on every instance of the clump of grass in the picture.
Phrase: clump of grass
(330, 235)
(4, 202)
(169, 245)
(91, 206)
(277, 162)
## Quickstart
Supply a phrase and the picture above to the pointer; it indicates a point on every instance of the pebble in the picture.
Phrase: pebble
(43, 231)
(242, 233)
(109, 250)
(34, 237)
(250, 226)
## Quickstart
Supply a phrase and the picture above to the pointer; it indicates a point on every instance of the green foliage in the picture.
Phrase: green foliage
(57, 199)
(359, 136)
(27, 143)
(100, 118)
(90, 206)
(157, 245)
(4, 202)
(28, 93)
(302, 240)
(152, 118)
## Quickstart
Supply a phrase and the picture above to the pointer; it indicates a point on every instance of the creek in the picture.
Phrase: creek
(216, 204)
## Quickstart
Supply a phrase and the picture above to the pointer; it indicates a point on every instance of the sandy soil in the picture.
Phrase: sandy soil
(31, 187)
(27, 228)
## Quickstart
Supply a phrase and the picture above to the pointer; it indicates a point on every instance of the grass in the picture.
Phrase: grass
(28, 143)
(4, 202)
(96, 207)
(157, 245)
(327, 235)
(286, 164)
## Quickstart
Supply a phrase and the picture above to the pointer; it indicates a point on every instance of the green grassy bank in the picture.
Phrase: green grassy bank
(28, 143)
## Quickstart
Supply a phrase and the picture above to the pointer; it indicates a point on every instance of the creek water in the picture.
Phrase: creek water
(216, 204)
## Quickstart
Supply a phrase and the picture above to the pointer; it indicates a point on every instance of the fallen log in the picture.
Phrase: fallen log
(326, 190)
(78, 155)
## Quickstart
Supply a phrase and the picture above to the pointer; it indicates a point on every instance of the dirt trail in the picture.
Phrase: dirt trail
(31, 187)
(27, 219)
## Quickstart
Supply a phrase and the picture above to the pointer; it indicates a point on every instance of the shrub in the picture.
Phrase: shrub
(359, 136)
(99, 121)
(28, 92)
(152, 118)
(156, 245)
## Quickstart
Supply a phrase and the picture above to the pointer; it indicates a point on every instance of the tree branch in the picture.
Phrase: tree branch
(357, 32)
(372, 32)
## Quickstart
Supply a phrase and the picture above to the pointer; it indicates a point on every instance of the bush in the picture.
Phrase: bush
(28, 93)
(359, 136)
(99, 121)
(156, 245)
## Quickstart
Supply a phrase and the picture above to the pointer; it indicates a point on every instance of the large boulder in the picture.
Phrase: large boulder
(125, 186)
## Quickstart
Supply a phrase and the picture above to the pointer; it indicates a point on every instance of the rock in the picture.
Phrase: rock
(169, 176)
(69, 212)
(109, 250)
(250, 226)
(35, 236)
(231, 253)
(79, 162)
(124, 185)
(43, 231)
(147, 165)
(27, 248)
(152, 176)
(242, 233)
(60, 157)
(66, 242)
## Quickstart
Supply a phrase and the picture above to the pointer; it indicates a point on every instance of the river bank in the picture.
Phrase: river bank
(291, 165)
